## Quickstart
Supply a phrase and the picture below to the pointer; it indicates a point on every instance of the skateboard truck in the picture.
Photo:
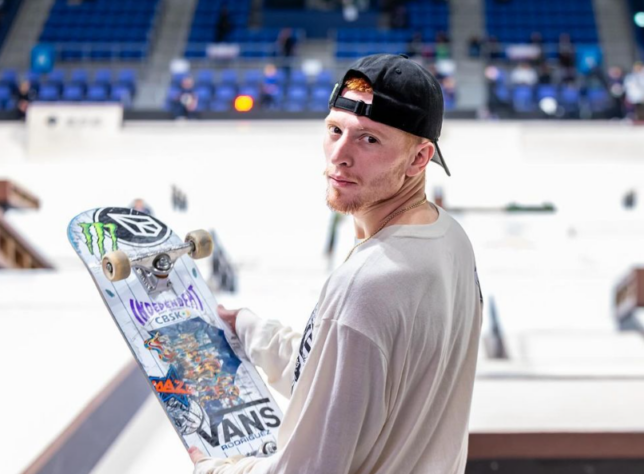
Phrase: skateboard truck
(153, 269)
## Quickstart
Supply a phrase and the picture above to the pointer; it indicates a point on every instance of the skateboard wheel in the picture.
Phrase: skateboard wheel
(116, 265)
(202, 243)
(269, 448)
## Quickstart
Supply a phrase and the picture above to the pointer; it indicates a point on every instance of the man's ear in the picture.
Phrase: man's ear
(423, 153)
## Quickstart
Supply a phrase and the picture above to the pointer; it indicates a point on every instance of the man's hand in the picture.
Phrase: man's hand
(207, 465)
(196, 455)
(229, 316)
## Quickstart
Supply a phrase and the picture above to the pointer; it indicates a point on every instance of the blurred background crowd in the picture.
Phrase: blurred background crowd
(200, 58)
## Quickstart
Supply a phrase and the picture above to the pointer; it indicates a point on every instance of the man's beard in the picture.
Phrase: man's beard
(387, 180)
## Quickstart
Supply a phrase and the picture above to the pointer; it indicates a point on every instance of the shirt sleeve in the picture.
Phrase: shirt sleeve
(271, 347)
(337, 411)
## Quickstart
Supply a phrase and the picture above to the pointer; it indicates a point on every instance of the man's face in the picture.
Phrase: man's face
(366, 161)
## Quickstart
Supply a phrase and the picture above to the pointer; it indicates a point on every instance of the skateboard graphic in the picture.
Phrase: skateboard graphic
(195, 365)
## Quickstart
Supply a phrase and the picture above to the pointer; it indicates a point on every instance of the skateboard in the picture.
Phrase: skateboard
(194, 364)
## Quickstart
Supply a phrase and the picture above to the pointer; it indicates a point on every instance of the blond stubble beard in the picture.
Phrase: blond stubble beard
(386, 180)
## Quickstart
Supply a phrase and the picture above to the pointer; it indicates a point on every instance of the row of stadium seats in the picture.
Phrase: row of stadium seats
(514, 21)
(354, 51)
(106, 85)
(208, 77)
(222, 97)
(527, 99)
(108, 77)
(369, 35)
(101, 29)
(71, 93)
(255, 43)
(297, 94)
(433, 15)
(207, 16)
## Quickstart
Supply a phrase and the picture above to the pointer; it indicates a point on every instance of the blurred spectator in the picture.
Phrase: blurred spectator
(630, 199)
(545, 74)
(269, 88)
(442, 46)
(24, 96)
(524, 74)
(141, 206)
(634, 87)
(494, 48)
(474, 47)
(286, 47)
(449, 92)
(286, 41)
(398, 18)
(435, 72)
(415, 46)
(223, 26)
(179, 200)
(184, 103)
(615, 86)
(498, 104)
(566, 55)
(536, 40)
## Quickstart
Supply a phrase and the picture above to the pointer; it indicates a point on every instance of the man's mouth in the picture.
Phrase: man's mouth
(340, 180)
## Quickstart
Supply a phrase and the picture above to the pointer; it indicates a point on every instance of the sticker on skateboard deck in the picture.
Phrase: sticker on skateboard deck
(197, 368)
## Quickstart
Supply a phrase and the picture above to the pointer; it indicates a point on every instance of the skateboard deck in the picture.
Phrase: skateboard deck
(195, 365)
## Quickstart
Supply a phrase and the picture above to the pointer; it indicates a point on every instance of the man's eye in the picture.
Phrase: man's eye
(371, 139)
(335, 129)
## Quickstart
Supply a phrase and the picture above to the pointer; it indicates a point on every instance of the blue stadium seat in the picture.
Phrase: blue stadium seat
(205, 77)
(220, 105)
(79, 76)
(318, 106)
(321, 93)
(523, 99)
(298, 77)
(250, 90)
(253, 76)
(9, 77)
(569, 99)
(5, 93)
(225, 92)
(203, 94)
(599, 100)
(97, 93)
(56, 77)
(546, 90)
(324, 77)
(228, 76)
(49, 93)
(72, 93)
(297, 93)
(121, 94)
(103, 76)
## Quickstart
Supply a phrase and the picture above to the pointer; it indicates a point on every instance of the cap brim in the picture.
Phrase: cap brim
(438, 158)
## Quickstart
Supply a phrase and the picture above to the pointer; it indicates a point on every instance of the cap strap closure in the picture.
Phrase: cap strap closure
(358, 107)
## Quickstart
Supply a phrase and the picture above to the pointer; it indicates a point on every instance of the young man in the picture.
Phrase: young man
(382, 379)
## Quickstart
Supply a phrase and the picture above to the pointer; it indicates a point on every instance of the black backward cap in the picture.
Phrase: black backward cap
(406, 96)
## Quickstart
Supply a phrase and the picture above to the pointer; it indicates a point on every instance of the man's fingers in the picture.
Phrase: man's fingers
(196, 455)
(222, 310)
(226, 312)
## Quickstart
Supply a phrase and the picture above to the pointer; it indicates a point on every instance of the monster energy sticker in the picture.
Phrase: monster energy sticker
(98, 229)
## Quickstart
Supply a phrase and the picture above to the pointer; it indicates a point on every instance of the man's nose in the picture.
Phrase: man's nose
(341, 152)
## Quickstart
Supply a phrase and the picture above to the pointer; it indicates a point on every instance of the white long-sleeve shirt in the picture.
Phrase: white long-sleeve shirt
(385, 370)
